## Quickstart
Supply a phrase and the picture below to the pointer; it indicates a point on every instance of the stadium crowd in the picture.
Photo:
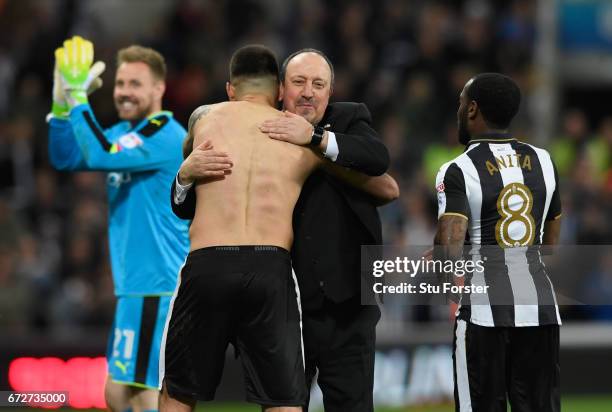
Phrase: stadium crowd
(406, 60)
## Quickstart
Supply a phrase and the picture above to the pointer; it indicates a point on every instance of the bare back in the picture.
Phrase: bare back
(254, 204)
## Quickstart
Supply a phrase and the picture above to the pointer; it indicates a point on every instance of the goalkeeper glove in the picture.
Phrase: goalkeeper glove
(76, 77)
(59, 107)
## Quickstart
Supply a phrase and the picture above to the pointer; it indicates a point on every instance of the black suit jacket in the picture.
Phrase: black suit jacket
(331, 220)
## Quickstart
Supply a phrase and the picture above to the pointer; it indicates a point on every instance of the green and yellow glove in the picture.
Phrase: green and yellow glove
(75, 77)
(59, 107)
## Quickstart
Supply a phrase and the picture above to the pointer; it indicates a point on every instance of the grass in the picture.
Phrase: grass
(569, 404)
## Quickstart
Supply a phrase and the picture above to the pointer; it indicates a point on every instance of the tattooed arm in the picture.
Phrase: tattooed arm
(450, 236)
(453, 212)
(201, 161)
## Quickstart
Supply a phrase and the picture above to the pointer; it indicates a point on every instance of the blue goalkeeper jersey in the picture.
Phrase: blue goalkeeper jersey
(148, 243)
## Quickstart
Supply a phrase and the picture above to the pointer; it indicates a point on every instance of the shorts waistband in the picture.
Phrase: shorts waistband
(238, 249)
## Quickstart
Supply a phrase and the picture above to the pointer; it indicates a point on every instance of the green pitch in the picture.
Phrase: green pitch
(570, 404)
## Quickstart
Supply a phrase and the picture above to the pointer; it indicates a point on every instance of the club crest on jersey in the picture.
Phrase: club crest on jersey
(440, 187)
(130, 141)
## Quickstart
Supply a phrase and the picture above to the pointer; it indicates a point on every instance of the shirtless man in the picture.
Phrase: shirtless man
(237, 284)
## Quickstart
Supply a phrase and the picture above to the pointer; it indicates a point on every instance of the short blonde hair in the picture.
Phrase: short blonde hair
(146, 55)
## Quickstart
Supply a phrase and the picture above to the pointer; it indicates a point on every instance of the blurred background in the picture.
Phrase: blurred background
(407, 60)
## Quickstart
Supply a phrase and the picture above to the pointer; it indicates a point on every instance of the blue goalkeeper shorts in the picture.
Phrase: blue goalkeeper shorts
(135, 338)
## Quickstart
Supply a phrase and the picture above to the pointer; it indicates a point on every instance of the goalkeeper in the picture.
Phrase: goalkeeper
(148, 243)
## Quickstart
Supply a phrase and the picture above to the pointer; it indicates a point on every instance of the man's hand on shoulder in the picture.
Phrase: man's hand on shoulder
(290, 128)
(204, 162)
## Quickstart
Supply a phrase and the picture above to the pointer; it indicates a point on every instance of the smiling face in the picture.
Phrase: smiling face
(307, 86)
(137, 92)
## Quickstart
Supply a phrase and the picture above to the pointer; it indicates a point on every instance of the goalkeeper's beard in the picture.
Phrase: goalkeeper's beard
(138, 112)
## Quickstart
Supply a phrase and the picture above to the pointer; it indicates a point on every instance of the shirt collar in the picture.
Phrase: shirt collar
(492, 138)
(158, 113)
(140, 123)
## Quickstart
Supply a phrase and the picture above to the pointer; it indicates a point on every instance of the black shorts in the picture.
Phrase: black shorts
(246, 295)
(496, 364)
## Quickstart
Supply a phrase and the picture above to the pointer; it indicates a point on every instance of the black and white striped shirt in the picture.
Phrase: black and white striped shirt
(507, 190)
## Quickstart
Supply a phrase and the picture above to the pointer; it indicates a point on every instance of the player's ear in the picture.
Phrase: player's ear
(281, 92)
(160, 88)
(230, 90)
(472, 110)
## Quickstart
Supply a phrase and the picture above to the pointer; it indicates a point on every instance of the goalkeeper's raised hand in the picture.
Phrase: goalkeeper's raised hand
(76, 74)
(59, 108)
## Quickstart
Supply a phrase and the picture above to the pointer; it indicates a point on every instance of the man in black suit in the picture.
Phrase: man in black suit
(331, 221)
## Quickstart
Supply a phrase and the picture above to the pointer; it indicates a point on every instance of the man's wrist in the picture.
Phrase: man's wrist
(76, 97)
(317, 137)
(182, 180)
(59, 110)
